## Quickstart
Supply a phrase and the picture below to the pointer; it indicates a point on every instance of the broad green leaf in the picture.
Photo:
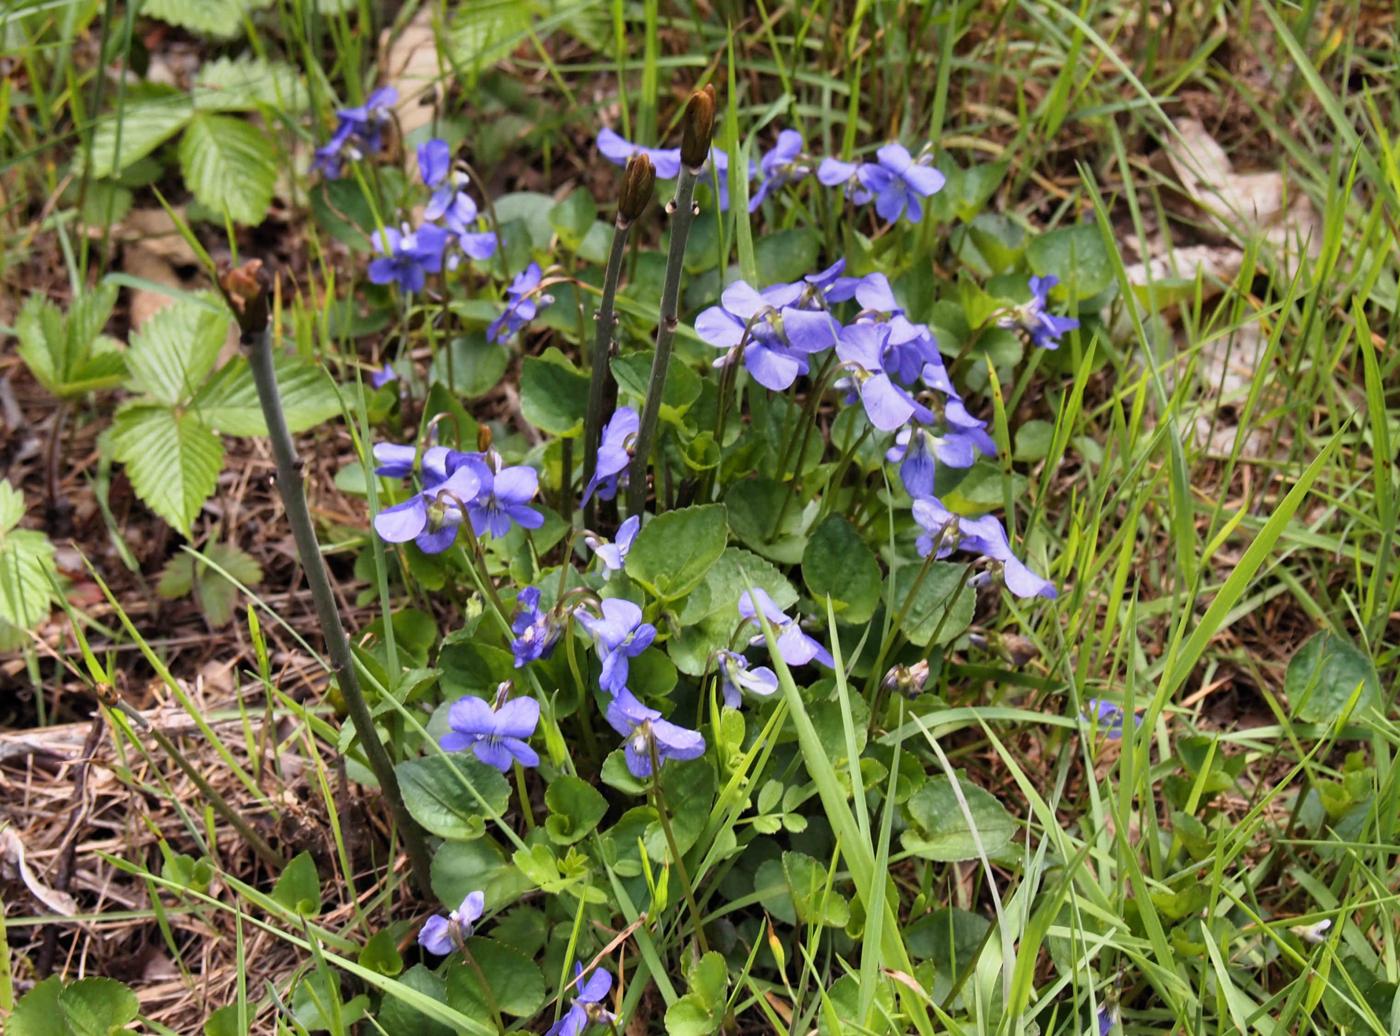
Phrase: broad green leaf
(672, 553)
(923, 620)
(215, 594)
(230, 165)
(484, 31)
(725, 581)
(678, 394)
(38, 1013)
(229, 402)
(766, 520)
(807, 884)
(479, 865)
(941, 831)
(172, 354)
(172, 459)
(515, 982)
(575, 807)
(142, 127)
(949, 937)
(701, 1010)
(244, 83)
(398, 1019)
(219, 18)
(299, 888)
(470, 365)
(786, 255)
(318, 1004)
(1324, 674)
(1076, 255)
(553, 393)
(436, 790)
(97, 1006)
(837, 564)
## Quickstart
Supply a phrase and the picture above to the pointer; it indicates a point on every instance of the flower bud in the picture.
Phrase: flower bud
(638, 183)
(245, 288)
(697, 127)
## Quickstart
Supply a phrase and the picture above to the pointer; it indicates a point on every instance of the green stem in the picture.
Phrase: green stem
(660, 799)
(682, 209)
(602, 350)
(289, 486)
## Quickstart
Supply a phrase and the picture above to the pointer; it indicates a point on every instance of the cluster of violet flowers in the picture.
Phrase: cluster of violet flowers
(451, 229)
(896, 181)
(893, 368)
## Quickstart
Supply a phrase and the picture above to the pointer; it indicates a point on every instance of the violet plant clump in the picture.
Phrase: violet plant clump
(679, 523)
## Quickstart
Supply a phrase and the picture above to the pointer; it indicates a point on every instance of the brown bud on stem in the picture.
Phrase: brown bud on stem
(638, 182)
(697, 127)
(246, 288)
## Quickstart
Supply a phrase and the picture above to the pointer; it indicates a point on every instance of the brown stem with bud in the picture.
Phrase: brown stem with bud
(638, 182)
(697, 126)
(246, 289)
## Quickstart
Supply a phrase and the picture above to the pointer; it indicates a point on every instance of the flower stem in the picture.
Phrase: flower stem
(682, 209)
(659, 798)
(289, 486)
(602, 350)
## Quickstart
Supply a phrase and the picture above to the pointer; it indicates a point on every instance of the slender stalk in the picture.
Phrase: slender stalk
(602, 350)
(662, 814)
(289, 486)
(682, 209)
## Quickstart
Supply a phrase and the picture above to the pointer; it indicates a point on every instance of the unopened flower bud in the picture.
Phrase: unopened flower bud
(483, 438)
(697, 127)
(246, 289)
(637, 184)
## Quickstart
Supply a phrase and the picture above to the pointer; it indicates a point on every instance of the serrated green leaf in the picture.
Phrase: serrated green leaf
(229, 402)
(220, 18)
(26, 564)
(68, 353)
(142, 127)
(245, 83)
(172, 459)
(215, 594)
(174, 351)
(230, 165)
(97, 1006)
(553, 393)
(11, 506)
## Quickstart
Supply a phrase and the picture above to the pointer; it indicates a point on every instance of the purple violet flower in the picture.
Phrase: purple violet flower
(382, 376)
(504, 498)
(864, 349)
(794, 646)
(776, 336)
(984, 536)
(613, 453)
(443, 935)
(523, 303)
(896, 181)
(917, 448)
(1045, 329)
(406, 257)
(834, 285)
(452, 204)
(495, 735)
(736, 677)
(431, 517)
(644, 728)
(357, 132)
(536, 632)
(617, 150)
(1106, 714)
(620, 634)
(614, 554)
(780, 165)
(587, 1007)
